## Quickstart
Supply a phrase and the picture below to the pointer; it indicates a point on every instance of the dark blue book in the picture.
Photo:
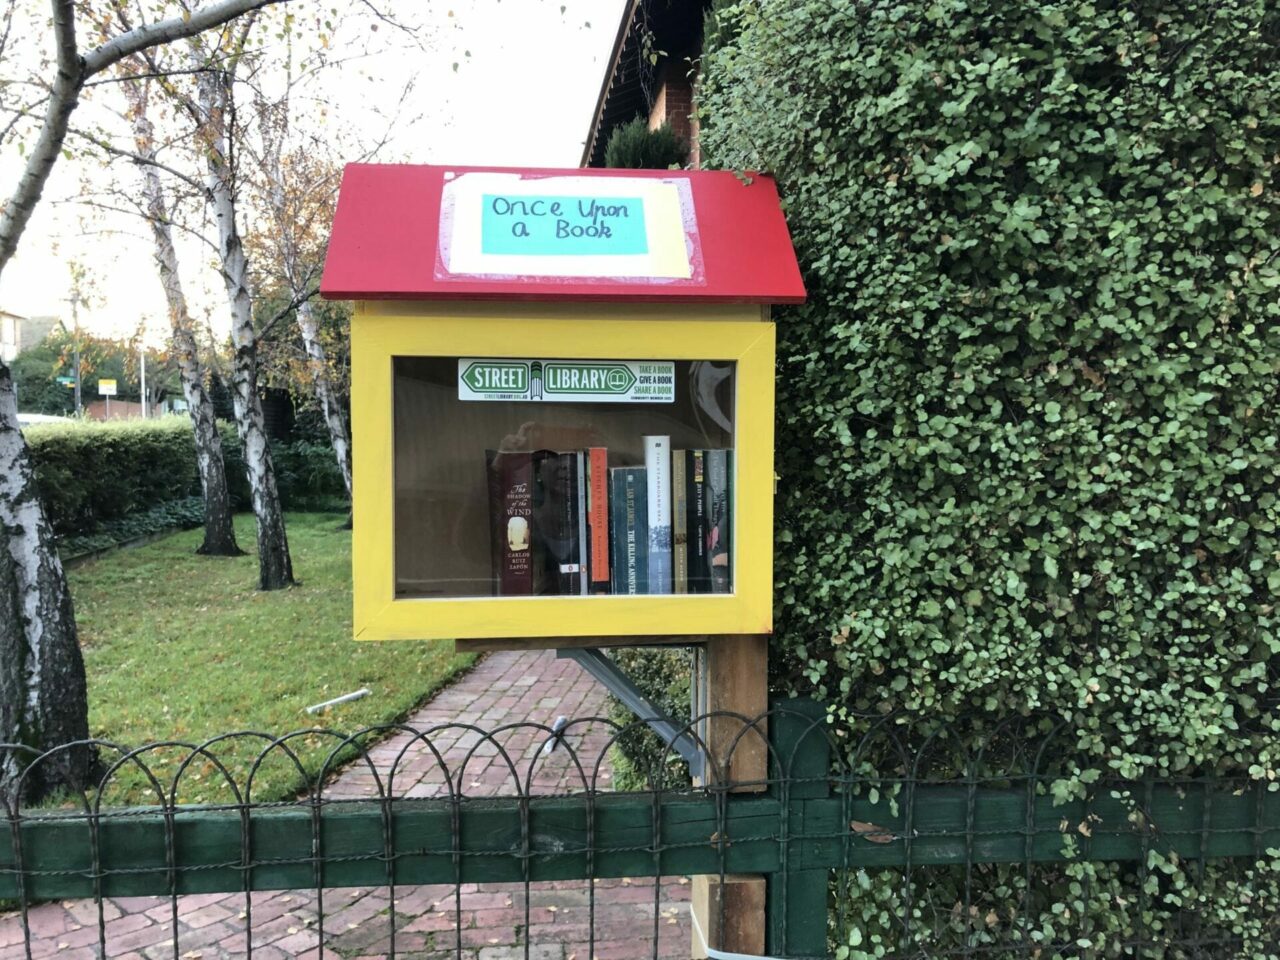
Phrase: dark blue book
(629, 530)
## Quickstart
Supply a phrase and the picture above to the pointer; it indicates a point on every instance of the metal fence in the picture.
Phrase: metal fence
(460, 842)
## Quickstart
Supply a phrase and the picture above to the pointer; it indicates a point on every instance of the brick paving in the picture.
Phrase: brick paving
(503, 695)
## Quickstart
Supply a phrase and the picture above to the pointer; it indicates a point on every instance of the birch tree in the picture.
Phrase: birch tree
(214, 110)
(219, 534)
(41, 670)
(300, 193)
(296, 180)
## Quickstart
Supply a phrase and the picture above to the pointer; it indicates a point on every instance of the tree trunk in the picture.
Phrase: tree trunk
(43, 701)
(275, 568)
(326, 395)
(219, 534)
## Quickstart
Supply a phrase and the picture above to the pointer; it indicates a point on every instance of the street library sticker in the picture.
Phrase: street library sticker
(502, 225)
(567, 381)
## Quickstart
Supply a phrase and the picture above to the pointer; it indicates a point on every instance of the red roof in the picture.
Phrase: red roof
(587, 234)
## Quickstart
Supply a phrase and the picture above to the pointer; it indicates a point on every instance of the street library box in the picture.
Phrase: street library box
(562, 399)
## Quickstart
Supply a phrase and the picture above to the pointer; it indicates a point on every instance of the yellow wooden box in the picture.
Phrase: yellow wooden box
(382, 331)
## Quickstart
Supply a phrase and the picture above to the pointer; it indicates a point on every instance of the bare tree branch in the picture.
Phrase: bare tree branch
(112, 149)
(73, 71)
(292, 305)
(150, 35)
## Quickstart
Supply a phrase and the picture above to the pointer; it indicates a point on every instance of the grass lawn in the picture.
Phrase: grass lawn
(182, 647)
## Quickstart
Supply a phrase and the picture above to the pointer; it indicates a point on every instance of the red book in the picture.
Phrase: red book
(510, 511)
(598, 517)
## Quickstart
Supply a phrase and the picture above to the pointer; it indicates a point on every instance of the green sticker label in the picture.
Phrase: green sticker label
(567, 381)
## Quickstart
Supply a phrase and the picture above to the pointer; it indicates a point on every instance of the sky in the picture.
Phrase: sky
(527, 77)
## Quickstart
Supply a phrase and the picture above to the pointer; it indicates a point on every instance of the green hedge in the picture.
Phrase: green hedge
(95, 476)
(92, 473)
(641, 760)
(1027, 422)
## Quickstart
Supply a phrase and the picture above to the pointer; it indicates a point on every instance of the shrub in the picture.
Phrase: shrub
(91, 473)
(634, 146)
(174, 515)
(93, 476)
(641, 760)
(1027, 420)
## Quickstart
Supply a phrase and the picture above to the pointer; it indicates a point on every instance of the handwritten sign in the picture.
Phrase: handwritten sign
(563, 226)
(505, 226)
(567, 381)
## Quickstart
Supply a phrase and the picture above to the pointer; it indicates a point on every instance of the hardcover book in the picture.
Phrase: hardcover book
(510, 477)
(629, 537)
(720, 519)
(598, 519)
(657, 465)
(558, 524)
(679, 522)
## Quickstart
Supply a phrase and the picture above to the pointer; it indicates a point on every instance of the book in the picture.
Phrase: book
(582, 555)
(629, 536)
(598, 519)
(510, 481)
(720, 519)
(699, 569)
(679, 522)
(657, 466)
(557, 528)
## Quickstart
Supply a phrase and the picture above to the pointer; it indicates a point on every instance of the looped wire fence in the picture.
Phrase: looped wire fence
(873, 838)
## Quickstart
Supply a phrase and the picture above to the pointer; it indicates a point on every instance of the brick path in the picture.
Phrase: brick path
(483, 922)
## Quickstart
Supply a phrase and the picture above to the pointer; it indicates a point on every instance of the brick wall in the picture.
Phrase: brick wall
(674, 105)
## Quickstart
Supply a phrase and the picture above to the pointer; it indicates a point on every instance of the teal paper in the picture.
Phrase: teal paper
(547, 226)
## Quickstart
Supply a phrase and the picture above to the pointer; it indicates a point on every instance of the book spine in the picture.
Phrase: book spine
(565, 545)
(641, 538)
(695, 482)
(617, 531)
(657, 466)
(510, 511)
(679, 522)
(629, 551)
(583, 544)
(719, 520)
(598, 517)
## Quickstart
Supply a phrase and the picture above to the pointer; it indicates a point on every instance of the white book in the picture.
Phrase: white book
(657, 466)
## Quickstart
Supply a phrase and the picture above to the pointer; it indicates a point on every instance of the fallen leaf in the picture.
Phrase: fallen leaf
(869, 831)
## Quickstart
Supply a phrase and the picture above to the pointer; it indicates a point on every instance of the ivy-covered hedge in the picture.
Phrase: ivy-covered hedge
(99, 479)
(1028, 434)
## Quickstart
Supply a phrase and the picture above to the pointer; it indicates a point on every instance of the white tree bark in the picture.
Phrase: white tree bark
(39, 649)
(275, 568)
(322, 383)
(219, 534)
(287, 249)
(42, 681)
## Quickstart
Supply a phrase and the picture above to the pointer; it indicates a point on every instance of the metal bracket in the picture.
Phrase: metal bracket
(593, 660)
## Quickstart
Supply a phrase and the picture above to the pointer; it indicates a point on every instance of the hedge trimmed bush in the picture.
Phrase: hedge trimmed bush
(91, 473)
(93, 476)
(1028, 419)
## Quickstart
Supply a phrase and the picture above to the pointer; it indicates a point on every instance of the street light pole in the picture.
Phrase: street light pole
(142, 376)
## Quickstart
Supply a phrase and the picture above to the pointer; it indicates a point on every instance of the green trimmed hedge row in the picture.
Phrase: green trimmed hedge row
(1029, 419)
(95, 475)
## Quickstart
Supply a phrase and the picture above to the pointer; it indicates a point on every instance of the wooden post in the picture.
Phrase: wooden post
(732, 676)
